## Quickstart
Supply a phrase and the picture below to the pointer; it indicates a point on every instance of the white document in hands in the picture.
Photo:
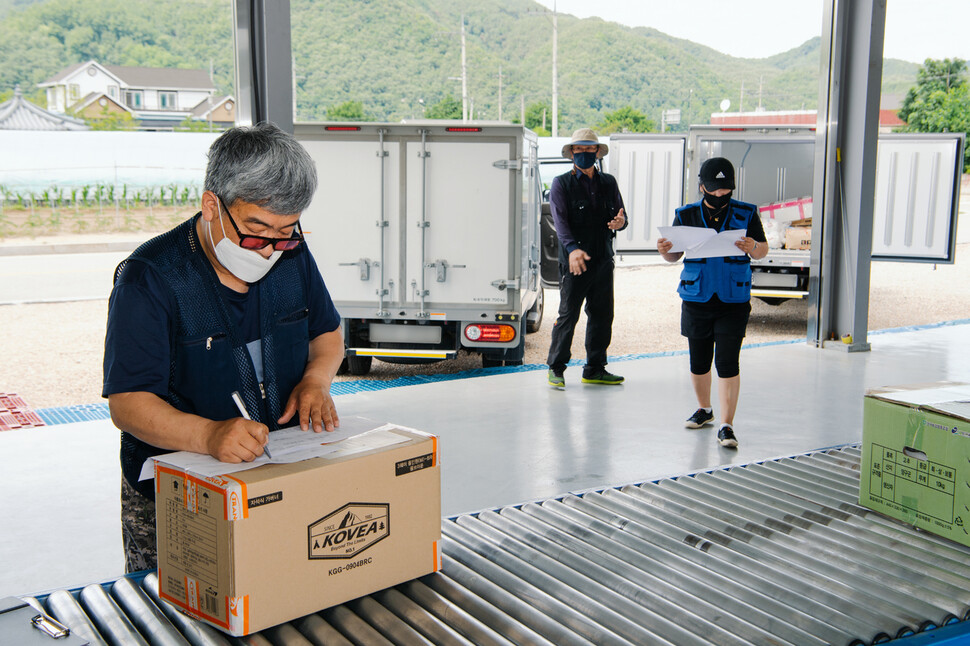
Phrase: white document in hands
(287, 445)
(701, 242)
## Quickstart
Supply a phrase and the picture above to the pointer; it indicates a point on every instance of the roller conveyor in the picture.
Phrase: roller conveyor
(775, 552)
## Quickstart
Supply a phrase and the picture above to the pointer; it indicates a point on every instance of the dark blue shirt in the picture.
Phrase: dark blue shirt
(559, 208)
(141, 311)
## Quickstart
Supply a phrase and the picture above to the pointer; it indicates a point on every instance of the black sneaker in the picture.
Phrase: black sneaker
(700, 418)
(602, 377)
(725, 436)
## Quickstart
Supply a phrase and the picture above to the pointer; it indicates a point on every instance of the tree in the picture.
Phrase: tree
(347, 111)
(538, 117)
(625, 119)
(940, 100)
(447, 108)
(188, 124)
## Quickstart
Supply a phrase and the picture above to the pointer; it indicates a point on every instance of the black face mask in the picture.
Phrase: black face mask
(718, 202)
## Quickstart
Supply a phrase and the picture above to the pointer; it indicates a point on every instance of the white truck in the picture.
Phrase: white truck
(916, 205)
(427, 234)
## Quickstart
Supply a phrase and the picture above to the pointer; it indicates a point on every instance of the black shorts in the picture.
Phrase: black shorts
(714, 319)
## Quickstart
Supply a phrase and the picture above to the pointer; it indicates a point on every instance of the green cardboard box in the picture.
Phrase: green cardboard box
(916, 456)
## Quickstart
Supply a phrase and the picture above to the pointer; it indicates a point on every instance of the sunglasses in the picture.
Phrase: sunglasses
(254, 243)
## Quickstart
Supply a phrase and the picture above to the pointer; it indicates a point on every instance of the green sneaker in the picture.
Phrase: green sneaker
(602, 377)
(556, 379)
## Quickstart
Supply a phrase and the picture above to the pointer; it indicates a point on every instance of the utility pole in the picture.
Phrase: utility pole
(761, 83)
(555, 61)
(464, 74)
(499, 92)
(741, 102)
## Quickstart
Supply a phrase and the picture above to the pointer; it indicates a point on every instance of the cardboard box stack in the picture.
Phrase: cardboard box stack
(260, 547)
(916, 456)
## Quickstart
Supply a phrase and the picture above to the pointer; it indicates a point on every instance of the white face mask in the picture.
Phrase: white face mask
(245, 264)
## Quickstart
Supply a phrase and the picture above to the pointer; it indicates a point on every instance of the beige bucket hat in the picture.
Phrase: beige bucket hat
(585, 137)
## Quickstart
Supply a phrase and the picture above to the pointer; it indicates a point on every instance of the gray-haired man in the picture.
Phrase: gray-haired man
(230, 300)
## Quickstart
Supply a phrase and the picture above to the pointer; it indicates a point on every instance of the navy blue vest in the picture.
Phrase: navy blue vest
(729, 276)
(588, 224)
(209, 358)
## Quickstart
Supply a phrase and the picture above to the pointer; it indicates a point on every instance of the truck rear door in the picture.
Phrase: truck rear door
(917, 197)
(650, 172)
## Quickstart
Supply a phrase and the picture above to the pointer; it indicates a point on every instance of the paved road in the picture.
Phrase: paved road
(57, 277)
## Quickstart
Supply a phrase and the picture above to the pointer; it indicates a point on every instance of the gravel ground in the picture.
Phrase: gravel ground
(53, 351)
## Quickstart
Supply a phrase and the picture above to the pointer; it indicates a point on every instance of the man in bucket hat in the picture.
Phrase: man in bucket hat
(587, 210)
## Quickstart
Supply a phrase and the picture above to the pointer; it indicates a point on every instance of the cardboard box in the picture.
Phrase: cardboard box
(798, 238)
(916, 445)
(256, 548)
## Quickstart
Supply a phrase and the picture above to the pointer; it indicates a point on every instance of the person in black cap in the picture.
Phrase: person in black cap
(716, 294)
(588, 211)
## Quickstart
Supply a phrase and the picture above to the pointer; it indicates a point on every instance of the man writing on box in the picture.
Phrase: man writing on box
(228, 301)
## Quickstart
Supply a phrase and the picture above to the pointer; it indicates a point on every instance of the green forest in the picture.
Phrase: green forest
(398, 59)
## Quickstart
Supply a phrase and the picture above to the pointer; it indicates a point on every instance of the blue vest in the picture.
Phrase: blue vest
(209, 358)
(729, 276)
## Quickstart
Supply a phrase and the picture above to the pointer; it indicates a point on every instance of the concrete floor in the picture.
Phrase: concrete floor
(504, 438)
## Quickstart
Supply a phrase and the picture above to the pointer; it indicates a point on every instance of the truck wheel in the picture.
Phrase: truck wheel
(359, 365)
(533, 318)
(342, 370)
(488, 362)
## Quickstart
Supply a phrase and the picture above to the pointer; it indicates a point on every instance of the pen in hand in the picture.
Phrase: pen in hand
(242, 411)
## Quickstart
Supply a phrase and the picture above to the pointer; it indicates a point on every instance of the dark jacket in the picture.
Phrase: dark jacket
(209, 358)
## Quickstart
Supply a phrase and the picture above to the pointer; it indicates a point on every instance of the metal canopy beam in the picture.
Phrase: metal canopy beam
(264, 64)
(845, 172)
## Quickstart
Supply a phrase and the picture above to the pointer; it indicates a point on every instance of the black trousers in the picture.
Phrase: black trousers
(595, 287)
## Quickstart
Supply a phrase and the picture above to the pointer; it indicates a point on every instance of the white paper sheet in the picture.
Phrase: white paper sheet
(287, 445)
(702, 242)
(720, 245)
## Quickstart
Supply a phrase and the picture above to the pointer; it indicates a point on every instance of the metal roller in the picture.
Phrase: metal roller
(198, 633)
(111, 621)
(736, 589)
(418, 618)
(575, 617)
(507, 610)
(849, 553)
(63, 607)
(831, 522)
(629, 574)
(821, 602)
(595, 589)
(147, 618)
(794, 498)
(772, 545)
(386, 622)
(348, 623)
(699, 538)
(451, 614)
(285, 635)
(319, 632)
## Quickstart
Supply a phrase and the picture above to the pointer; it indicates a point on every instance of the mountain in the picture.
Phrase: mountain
(398, 56)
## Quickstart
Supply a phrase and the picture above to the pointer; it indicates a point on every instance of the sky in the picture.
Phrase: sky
(915, 30)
